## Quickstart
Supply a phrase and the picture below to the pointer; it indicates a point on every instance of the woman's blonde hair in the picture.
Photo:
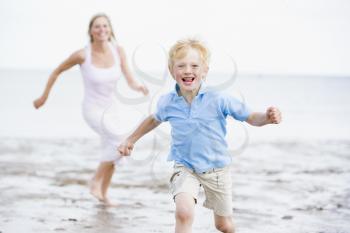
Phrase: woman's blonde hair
(92, 20)
(179, 49)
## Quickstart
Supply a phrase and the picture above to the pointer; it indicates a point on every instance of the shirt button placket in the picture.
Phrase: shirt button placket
(192, 108)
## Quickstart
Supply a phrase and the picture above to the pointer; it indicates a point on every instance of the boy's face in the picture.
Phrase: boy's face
(189, 71)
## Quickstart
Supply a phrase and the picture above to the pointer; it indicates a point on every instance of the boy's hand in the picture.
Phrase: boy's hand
(126, 148)
(273, 115)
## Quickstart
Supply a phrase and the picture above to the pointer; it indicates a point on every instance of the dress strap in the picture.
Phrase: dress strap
(115, 53)
(88, 54)
(87, 60)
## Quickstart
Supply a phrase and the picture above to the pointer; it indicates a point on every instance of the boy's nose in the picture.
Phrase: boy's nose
(188, 69)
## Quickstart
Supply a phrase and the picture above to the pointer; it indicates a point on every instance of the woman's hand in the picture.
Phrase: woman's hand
(39, 102)
(143, 89)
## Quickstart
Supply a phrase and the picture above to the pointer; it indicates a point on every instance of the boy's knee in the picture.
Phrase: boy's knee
(226, 227)
(184, 214)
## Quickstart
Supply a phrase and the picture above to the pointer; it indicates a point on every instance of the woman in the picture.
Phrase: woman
(101, 64)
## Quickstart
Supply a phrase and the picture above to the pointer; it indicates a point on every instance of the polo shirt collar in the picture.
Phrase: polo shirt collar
(202, 90)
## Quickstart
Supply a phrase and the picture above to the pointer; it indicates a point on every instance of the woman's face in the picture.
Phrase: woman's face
(100, 30)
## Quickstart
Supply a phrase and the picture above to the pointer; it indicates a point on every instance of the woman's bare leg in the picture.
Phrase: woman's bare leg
(101, 181)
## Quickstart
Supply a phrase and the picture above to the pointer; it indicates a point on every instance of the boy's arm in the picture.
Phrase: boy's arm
(147, 125)
(272, 116)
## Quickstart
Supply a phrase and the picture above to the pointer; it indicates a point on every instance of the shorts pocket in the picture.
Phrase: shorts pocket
(224, 180)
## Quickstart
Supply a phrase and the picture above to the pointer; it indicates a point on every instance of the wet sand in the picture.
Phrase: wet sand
(281, 187)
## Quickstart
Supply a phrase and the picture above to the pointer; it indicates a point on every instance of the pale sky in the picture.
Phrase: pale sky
(263, 36)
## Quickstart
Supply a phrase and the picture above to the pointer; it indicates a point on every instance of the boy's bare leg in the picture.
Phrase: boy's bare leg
(101, 180)
(224, 224)
(184, 214)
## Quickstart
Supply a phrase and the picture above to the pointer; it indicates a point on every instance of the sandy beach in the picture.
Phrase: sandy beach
(284, 186)
(290, 178)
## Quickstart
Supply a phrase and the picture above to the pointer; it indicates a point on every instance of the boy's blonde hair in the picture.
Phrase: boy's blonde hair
(179, 50)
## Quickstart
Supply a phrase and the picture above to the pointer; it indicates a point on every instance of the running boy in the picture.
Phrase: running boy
(198, 127)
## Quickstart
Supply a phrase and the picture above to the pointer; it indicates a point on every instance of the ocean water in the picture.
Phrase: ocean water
(292, 177)
(313, 107)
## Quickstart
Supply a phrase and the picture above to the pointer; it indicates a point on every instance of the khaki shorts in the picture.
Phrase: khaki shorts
(217, 185)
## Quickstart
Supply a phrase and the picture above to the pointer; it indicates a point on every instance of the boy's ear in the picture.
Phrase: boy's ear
(206, 69)
(171, 72)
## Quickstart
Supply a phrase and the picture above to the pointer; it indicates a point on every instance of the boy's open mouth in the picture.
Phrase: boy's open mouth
(187, 80)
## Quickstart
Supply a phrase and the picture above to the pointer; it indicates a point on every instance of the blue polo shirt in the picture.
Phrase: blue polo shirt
(198, 129)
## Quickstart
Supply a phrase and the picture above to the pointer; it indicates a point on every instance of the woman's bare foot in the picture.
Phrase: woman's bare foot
(108, 203)
(100, 182)
(95, 190)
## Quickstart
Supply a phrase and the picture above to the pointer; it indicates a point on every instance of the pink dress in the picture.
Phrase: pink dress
(99, 87)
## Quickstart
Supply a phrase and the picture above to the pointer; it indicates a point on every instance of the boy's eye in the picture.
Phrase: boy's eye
(195, 66)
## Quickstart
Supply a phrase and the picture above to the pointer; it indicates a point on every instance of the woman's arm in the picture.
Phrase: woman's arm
(127, 73)
(74, 59)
